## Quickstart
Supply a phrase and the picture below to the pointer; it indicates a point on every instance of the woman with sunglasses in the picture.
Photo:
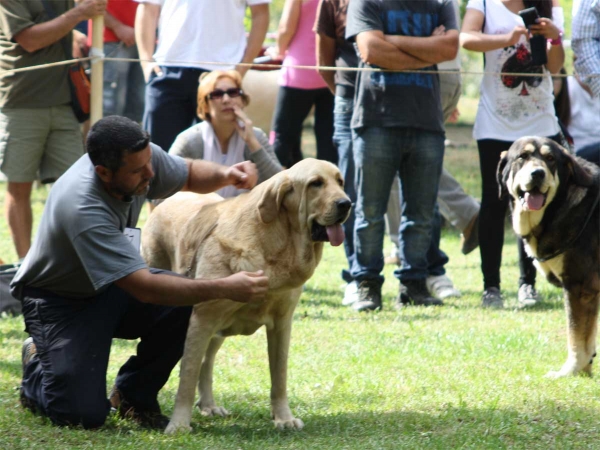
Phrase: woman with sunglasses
(226, 135)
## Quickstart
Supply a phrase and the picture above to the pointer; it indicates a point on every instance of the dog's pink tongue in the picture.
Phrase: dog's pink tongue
(534, 201)
(336, 235)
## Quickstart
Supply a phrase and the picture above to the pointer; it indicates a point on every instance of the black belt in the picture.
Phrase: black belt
(344, 91)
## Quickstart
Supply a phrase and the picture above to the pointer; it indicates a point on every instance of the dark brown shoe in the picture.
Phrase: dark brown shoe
(147, 418)
(28, 352)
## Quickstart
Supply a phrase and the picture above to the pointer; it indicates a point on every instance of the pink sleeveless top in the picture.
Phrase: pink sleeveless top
(301, 52)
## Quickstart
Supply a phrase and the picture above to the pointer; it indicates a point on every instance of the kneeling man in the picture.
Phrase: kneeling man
(84, 282)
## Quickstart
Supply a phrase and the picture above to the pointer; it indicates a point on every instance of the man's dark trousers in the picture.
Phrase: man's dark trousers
(67, 379)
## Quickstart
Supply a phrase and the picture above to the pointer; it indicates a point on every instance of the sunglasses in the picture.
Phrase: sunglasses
(219, 93)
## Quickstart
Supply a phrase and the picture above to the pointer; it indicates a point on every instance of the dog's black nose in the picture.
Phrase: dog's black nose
(538, 174)
(343, 205)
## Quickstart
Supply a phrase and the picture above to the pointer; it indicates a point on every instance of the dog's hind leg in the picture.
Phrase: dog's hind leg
(582, 324)
(206, 404)
(278, 339)
(197, 340)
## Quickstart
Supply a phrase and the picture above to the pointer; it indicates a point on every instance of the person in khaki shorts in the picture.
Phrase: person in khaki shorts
(39, 134)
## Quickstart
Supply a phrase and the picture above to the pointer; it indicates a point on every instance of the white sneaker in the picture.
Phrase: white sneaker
(528, 296)
(350, 294)
(441, 286)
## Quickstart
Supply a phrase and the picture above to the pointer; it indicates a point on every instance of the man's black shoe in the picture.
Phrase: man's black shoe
(146, 418)
(28, 352)
(415, 292)
(369, 297)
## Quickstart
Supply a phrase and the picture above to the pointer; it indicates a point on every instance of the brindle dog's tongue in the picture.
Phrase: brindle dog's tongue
(534, 200)
(336, 235)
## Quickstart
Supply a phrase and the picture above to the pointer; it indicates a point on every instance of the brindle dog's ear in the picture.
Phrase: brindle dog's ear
(272, 199)
(580, 176)
(502, 191)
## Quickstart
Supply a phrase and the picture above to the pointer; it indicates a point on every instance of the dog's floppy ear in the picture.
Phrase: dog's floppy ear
(272, 199)
(502, 191)
(579, 175)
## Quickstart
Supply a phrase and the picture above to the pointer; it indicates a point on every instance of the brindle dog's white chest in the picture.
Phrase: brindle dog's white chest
(554, 266)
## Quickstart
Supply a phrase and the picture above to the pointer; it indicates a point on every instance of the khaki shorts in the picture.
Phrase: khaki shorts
(38, 141)
(450, 89)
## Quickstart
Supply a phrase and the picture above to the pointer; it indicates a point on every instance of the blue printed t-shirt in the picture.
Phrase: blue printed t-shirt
(80, 248)
(398, 99)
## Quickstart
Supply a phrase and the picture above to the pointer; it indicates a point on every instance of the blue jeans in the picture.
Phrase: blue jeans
(342, 139)
(171, 105)
(124, 85)
(379, 154)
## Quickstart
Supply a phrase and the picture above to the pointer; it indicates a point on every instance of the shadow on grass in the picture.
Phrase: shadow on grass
(450, 427)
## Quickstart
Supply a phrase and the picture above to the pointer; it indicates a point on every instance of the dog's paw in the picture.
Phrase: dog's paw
(555, 374)
(214, 410)
(570, 369)
(293, 423)
(173, 428)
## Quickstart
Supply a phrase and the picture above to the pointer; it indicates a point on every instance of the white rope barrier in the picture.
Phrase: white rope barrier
(100, 56)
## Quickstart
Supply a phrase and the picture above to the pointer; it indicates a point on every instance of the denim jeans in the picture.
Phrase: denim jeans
(342, 140)
(435, 255)
(379, 154)
(124, 84)
(171, 105)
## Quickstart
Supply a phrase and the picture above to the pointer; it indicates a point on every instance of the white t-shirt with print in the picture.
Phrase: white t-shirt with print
(511, 106)
(191, 32)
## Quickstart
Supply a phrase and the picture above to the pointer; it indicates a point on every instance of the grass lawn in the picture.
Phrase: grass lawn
(451, 377)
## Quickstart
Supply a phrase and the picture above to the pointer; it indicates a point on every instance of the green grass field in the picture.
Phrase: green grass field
(442, 378)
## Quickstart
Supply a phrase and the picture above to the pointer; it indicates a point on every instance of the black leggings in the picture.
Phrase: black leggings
(293, 106)
(491, 219)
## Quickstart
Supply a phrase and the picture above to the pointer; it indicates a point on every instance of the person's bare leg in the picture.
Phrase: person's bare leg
(18, 214)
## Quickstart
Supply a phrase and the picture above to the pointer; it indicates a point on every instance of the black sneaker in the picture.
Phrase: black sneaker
(369, 297)
(415, 292)
(28, 352)
(147, 418)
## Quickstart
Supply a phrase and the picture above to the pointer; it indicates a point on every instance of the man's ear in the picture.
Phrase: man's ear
(272, 199)
(104, 173)
(502, 191)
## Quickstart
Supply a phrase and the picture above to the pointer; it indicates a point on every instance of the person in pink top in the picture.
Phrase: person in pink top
(300, 89)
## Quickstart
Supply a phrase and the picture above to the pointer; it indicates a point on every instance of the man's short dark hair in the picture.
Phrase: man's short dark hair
(111, 138)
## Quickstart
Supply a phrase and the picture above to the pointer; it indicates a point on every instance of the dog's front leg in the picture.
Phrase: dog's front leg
(278, 339)
(582, 318)
(207, 404)
(196, 343)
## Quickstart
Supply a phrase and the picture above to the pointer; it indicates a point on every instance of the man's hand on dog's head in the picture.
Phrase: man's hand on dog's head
(247, 287)
(243, 175)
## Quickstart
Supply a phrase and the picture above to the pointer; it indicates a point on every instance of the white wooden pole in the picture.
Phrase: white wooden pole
(97, 68)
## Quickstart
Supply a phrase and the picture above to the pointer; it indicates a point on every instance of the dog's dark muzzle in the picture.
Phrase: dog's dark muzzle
(343, 207)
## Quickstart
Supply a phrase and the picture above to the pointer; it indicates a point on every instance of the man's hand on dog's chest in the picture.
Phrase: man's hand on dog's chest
(248, 287)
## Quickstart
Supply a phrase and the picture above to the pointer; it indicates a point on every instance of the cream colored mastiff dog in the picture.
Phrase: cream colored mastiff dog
(279, 227)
